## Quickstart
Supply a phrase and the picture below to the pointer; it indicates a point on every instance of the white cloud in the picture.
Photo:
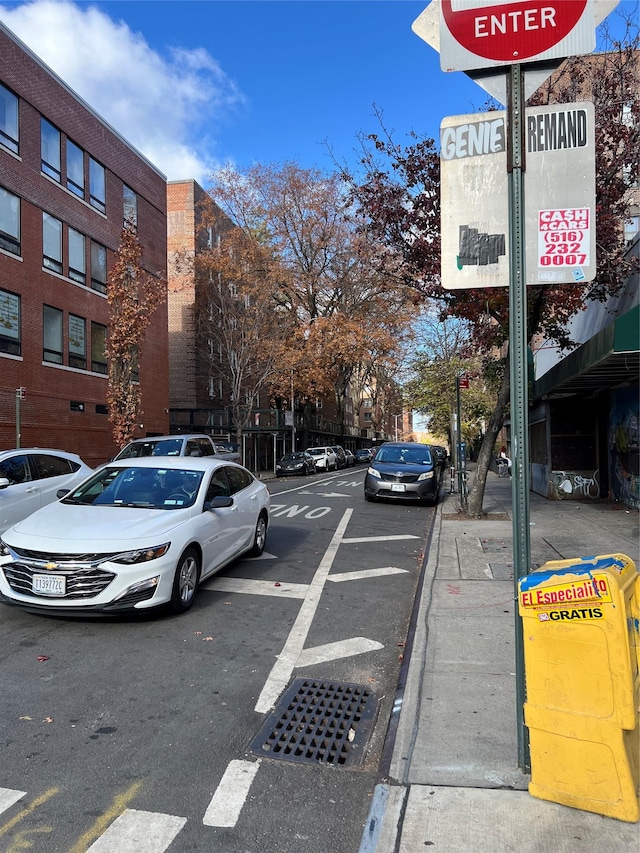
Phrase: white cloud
(158, 103)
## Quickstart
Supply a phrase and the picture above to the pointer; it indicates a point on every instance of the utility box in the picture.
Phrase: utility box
(581, 634)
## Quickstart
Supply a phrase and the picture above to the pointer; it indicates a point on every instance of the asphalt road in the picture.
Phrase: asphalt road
(144, 734)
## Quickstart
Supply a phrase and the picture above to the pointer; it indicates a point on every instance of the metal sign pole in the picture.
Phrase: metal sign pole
(518, 378)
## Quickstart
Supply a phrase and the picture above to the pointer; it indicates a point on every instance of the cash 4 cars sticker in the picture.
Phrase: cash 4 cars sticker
(563, 238)
(594, 588)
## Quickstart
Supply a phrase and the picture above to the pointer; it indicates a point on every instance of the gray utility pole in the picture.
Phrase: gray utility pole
(518, 377)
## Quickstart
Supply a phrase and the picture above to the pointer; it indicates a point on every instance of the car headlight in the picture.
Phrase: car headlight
(426, 476)
(4, 550)
(142, 555)
(374, 473)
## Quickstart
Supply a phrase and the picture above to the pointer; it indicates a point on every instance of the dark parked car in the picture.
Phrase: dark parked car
(403, 471)
(364, 454)
(441, 456)
(298, 463)
(340, 456)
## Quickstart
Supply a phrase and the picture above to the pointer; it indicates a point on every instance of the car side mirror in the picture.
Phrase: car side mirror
(61, 493)
(4, 483)
(219, 502)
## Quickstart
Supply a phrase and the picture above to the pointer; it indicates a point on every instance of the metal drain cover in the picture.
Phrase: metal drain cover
(318, 722)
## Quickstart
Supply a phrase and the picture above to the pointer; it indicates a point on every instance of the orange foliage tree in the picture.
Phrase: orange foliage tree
(133, 296)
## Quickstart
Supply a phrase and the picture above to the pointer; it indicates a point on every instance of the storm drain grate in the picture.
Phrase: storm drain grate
(318, 722)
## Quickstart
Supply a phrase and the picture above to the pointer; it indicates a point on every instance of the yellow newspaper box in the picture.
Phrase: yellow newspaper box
(581, 634)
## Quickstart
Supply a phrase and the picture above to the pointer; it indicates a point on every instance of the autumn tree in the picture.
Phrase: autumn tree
(342, 307)
(133, 295)
(241, 329)
(399, 201)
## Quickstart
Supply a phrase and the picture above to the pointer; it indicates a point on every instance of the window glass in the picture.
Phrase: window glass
(9, 222)
(52, 466)
(130, 207)
(219, 485)
(238, 479)
(98, 267)
(77, 342)
(97, 186)
(75, 169)
(9, 323)
(77, 259)
(98, 348)
(8, 119)
(52, 334)
(51, 243)
(50, 149)
(15, 469)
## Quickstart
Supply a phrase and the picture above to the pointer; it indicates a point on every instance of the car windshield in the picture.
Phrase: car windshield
(293, 457)
(404, 455)
(316, 451)
(166, 447)
(151, 488)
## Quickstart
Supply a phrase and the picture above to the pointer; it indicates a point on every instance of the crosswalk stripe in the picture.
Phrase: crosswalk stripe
(8, 797)
(139, 832)
(231, 794)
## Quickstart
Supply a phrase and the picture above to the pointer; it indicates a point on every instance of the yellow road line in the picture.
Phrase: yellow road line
(119, 804)
(27, 811)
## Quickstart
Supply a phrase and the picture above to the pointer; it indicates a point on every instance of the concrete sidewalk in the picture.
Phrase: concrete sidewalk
(453, 783)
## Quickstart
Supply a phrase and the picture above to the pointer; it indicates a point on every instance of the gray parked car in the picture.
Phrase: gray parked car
(403, 471)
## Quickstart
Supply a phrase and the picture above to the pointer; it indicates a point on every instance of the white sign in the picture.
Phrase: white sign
(559, 193)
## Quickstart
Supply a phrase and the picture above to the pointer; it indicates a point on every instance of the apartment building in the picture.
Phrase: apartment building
(68, 182)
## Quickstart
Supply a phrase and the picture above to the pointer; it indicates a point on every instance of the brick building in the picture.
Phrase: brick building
(68, 181)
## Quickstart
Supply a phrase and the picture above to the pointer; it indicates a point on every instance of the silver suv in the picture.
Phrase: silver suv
(324, 457)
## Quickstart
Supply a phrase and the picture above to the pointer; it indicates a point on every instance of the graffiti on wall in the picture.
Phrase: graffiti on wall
(574, 485)
(624, 443)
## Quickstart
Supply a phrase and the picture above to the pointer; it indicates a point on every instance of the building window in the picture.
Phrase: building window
(367, 416)
(51, 243)
(97, 186)
(51, 334)
(101, 409)
(130, 207)
(77, 342)
(9, 136)
(98, 348)
(77, 257)
(50, 150)
(9, 323)
(75, 169)
(98, 267)
(9, 222)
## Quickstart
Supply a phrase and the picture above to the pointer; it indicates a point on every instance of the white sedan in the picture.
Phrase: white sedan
(137, 534)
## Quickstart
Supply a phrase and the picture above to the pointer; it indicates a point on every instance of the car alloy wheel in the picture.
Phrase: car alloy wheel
(260, 538)
(185, 582)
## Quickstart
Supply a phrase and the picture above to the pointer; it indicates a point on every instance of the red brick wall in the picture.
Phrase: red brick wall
(45, 414)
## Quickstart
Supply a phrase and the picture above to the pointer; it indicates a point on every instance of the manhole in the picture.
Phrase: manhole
(318, 722)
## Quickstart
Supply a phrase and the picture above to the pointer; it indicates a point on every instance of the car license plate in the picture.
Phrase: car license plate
(397, 487)
(49, 584)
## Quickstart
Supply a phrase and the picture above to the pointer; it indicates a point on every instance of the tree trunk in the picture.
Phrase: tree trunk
(476, 495)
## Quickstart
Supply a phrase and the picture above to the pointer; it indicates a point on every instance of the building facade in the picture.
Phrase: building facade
(68, 182)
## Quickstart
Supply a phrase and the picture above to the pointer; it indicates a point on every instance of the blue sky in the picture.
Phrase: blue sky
(196, 84)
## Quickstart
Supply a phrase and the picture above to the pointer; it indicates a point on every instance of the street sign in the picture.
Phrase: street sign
(490, 75)
(463, 381)
(559, 197)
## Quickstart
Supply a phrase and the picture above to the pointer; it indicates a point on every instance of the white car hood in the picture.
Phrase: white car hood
(59, 527)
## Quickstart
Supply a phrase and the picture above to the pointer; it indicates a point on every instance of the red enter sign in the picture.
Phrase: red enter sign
(512, 31)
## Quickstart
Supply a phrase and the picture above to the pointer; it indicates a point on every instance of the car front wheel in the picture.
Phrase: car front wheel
(185, 582)
(260, 536)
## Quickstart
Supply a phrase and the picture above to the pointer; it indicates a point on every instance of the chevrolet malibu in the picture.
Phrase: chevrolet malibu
(137, 534)
(402, 471)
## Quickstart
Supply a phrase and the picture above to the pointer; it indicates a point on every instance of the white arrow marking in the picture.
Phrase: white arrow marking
(256, 587)
(331, 495)
(264, 556)
(378, 538)
(8, 797)
(231, 794)
(365, 573)
(348, 483)
(333, 651)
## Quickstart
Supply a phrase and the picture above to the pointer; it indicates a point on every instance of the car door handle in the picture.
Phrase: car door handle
(32, 491)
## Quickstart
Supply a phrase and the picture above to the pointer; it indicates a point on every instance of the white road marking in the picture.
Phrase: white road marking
(365, 573)
(8, 797)
(231, 794)
(264, 556)
(281, 672)
(139, 832)
(378, 538)
(257, 587)
(331, 495)
(341, 649)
